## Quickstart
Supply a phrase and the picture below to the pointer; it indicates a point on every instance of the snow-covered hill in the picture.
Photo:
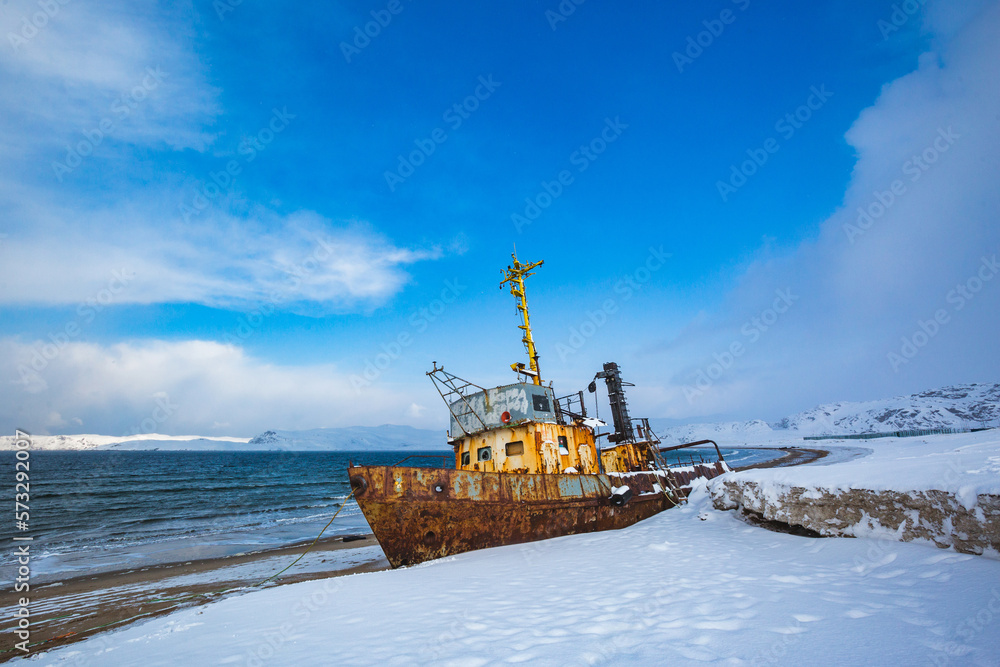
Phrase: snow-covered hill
(726, 432)
(958, 406)
(387, 437)
(145, 441)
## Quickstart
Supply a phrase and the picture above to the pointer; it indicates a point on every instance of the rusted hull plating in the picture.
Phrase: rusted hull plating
(419, 514)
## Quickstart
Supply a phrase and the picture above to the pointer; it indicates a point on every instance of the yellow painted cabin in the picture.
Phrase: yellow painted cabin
(517, 429)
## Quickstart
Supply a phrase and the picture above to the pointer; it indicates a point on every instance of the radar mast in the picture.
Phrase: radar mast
(515, 275)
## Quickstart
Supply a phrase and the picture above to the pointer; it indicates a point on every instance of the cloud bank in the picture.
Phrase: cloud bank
(896, 293)
(187, 387)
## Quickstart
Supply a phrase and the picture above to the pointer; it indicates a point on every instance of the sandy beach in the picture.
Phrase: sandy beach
(794, 456)
(73, 609)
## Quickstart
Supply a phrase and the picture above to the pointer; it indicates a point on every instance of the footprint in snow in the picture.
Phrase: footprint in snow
(888, 575)
(947, 557)
(806, 618)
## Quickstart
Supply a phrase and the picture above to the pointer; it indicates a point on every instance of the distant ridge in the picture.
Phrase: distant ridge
(955, 406)
(387, 437)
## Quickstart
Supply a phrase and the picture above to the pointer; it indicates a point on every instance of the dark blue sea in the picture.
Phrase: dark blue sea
(107, 510)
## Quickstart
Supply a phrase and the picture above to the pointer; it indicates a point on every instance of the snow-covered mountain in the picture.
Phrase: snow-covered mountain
(957, 406)
(144, 441)
(387, 437)
(721, 432)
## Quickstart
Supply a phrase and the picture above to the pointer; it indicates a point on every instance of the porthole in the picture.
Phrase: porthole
(484, 454)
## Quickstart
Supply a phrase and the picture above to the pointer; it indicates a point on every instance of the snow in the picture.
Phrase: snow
(964, 464)
(387, 437)
(687, 586)
(956, 406)
(143, 441)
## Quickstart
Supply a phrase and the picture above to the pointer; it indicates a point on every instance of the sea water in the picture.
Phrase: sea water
(97, 511)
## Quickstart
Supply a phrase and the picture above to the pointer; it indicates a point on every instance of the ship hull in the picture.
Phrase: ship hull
(418, 514)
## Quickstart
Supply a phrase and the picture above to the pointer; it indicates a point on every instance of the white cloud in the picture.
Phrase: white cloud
(301, 262)
(136, 66)
(83, 65)
(188, 387)
(863, 287)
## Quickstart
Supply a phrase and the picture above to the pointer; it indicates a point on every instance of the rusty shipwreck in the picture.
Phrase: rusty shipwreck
(528, 465)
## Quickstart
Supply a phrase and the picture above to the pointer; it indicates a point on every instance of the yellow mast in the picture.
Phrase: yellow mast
(515, 275)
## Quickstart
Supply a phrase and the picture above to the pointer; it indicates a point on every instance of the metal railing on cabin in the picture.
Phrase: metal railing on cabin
(566, 407)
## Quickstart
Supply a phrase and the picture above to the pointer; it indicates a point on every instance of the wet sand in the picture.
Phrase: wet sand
(73, 609)
(794, 456)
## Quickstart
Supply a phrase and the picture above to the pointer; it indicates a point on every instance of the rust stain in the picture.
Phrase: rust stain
(419, 514)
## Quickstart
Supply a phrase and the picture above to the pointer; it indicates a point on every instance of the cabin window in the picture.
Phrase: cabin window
(540, 402)
(484, 454)
(465, 458)
(563, 445)
(515, 448)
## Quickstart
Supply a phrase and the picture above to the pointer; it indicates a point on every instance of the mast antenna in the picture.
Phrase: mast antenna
(515, 275)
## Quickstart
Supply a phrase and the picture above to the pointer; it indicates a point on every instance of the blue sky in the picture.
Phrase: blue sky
(204, 206)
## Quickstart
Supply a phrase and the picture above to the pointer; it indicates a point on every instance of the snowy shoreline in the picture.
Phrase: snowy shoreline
(690, 584)
(943, 490)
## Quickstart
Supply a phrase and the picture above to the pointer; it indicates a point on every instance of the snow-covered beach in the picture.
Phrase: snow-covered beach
(694, 584)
